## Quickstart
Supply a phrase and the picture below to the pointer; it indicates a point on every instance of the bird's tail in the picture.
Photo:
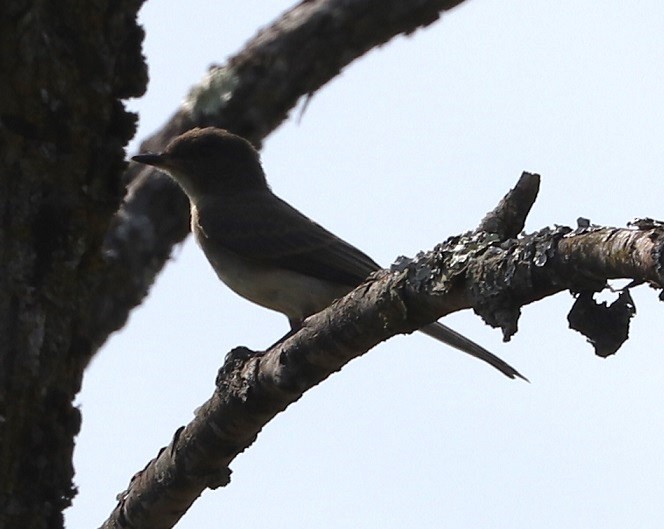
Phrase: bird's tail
(458, 341)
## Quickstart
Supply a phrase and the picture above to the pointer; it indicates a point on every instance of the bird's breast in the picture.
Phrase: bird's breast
(294, 294)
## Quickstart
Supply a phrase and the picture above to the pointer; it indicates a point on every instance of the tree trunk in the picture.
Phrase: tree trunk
(65, 68)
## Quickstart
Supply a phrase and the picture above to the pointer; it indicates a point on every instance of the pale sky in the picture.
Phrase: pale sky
(411, 144)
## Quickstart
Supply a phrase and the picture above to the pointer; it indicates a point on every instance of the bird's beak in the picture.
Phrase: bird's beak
(156, 160)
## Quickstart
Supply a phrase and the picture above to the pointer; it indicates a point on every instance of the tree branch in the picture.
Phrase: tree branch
(490, 273)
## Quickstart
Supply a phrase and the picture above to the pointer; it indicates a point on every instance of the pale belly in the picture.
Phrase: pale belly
(293, 294)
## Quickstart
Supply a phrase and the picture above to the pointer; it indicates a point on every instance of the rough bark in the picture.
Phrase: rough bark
(65, 68)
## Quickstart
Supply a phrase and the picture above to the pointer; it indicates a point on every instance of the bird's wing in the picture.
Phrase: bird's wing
(263, 228)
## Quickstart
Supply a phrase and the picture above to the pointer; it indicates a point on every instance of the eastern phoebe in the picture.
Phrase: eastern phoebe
(261, 247)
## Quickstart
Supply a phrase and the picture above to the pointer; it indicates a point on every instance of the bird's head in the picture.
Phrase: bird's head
(209, 161)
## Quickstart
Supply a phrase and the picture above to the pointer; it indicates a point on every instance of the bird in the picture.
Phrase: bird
(260, 246)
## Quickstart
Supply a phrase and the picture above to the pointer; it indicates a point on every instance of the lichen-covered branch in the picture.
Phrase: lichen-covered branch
(553, 260)
(488, 271)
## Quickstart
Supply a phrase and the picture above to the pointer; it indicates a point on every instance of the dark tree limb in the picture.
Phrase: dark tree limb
(490, 273)
(65, 67)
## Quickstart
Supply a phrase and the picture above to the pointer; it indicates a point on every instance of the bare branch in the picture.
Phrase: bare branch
(477, 270)
(509, 217)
